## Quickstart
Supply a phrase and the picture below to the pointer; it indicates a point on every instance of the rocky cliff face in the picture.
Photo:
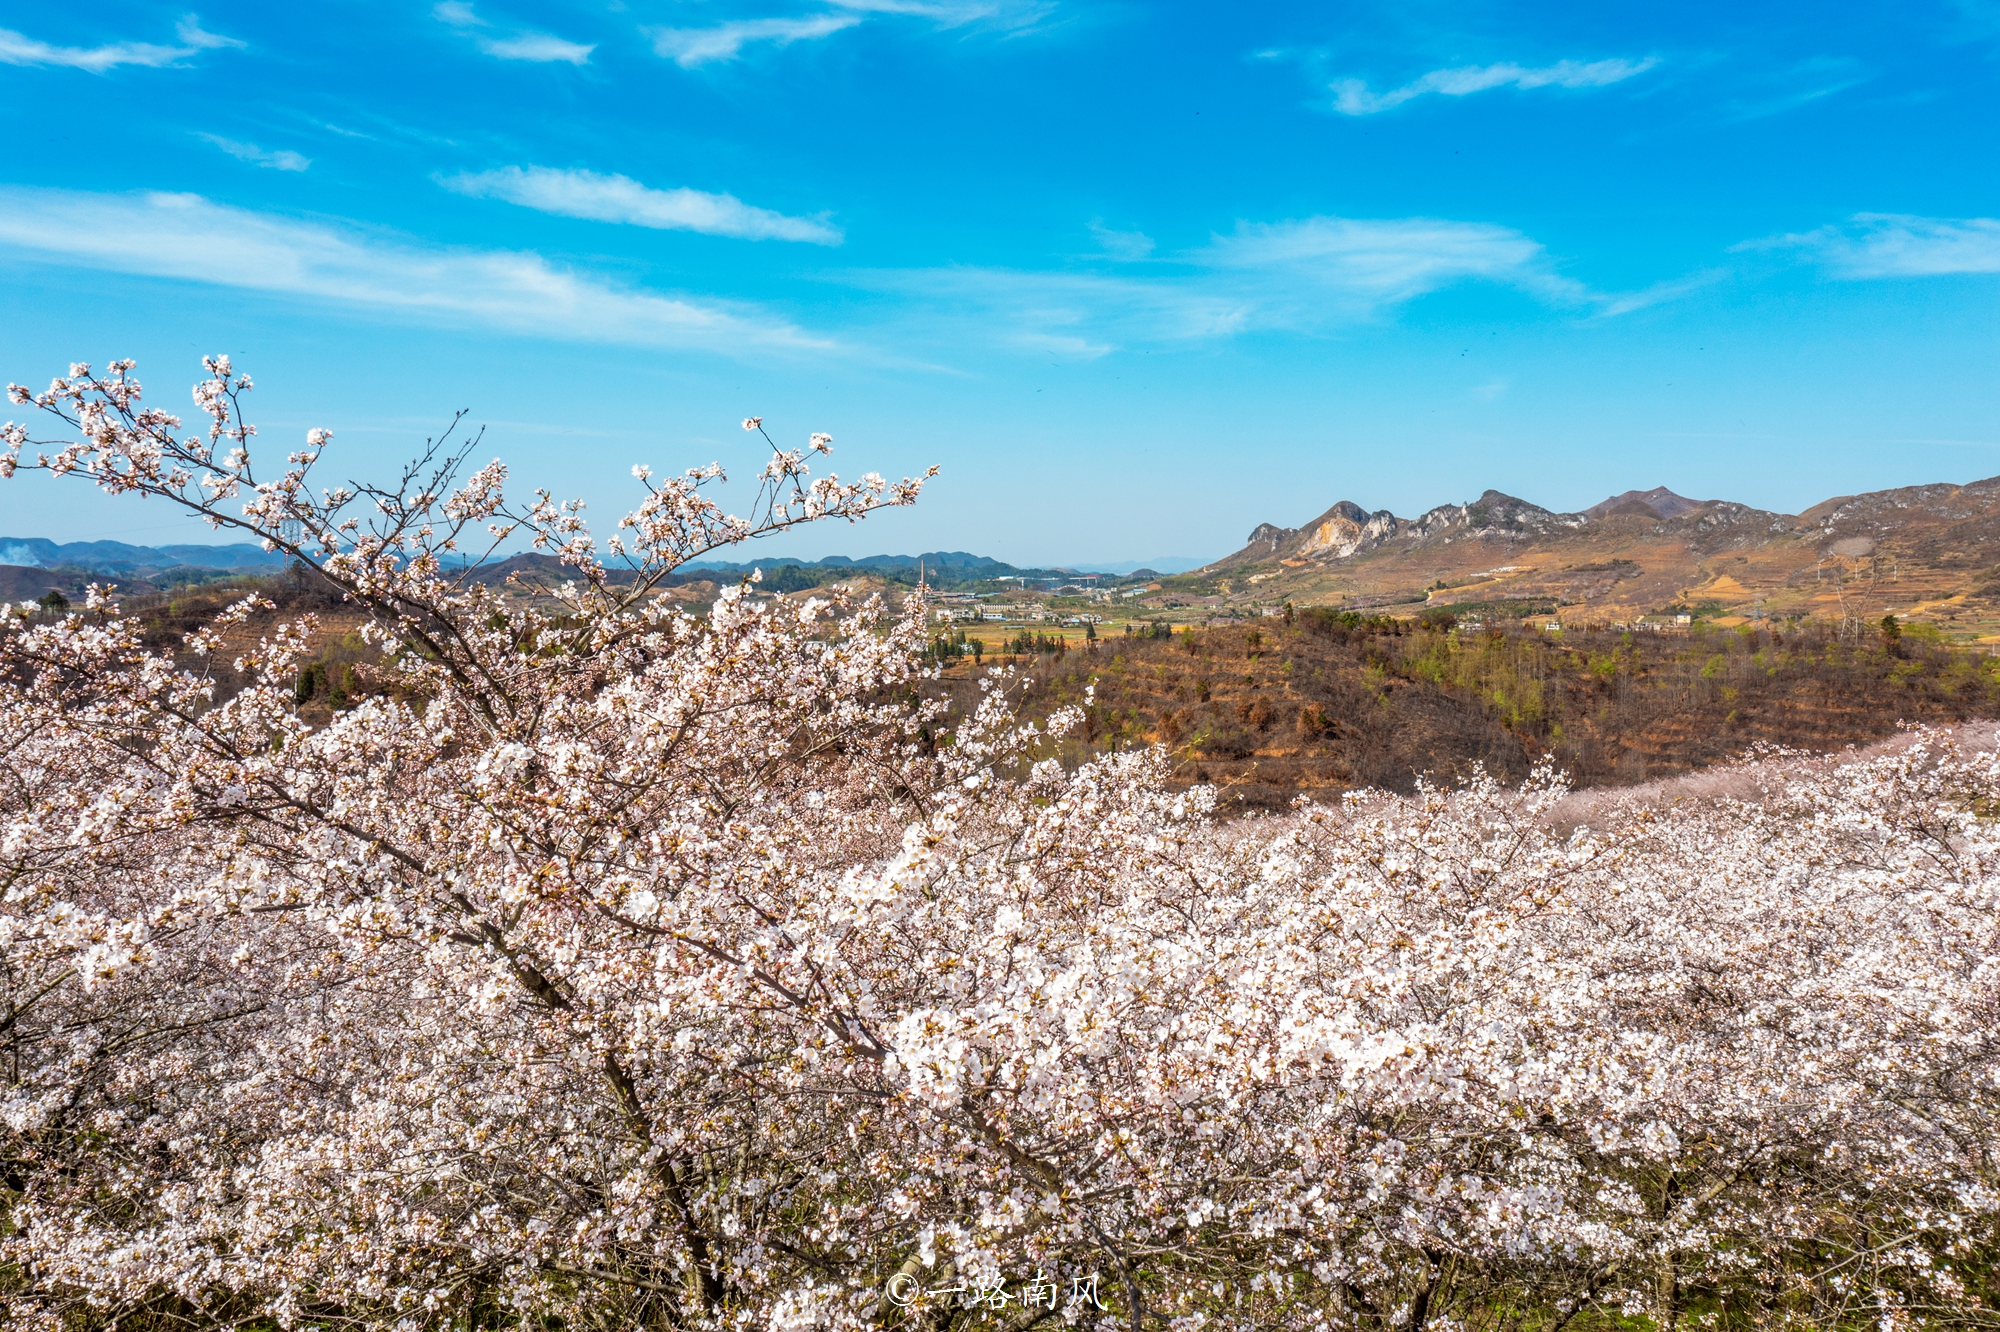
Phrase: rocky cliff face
(1930, 551)
(1347, 530)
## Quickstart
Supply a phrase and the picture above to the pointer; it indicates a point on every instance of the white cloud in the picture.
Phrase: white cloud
(1383, 261)
(1352, 98)
(282, 159)
(189, 30)
(1309, 276)
(1078, 315)
(16, 49)
(186, 236)
(688, 47)
(1891, 245)
(540, 47)
(1003, 13)
(601, 198)
(950, 13)
(1320, 271)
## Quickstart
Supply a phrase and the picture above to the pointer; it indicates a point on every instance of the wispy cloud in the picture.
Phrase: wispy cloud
(526, 44)
(1672, 289)
(1776, 92)
(538, 46)
(1130, 245)
(188, 237)
(600, 198)
(1892, 245)
(1351, 97)
(1377, 261)
(1009, 14)
(688, 47)
(281, 159)
(16, 49)
(1310, 275)
(1079, 316)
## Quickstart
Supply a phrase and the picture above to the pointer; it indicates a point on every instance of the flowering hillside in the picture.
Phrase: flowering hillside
(622, 970)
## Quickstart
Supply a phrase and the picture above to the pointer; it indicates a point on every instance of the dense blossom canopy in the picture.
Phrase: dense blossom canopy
(625, 969)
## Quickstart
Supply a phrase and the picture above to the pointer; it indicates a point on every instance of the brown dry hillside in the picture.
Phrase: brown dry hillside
(1925, 552)
(1332, 702)
(20, 582)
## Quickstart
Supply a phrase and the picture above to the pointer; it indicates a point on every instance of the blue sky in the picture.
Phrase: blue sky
(1137, 277)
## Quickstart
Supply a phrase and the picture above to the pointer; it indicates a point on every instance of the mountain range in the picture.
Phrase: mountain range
(115, 557)
(31, 566)
(1931, 551)
(959, 565)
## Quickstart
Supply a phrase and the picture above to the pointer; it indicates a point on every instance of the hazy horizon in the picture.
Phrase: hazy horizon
(755, 551)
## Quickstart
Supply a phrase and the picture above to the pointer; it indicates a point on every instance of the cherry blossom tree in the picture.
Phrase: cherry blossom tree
(606, 967)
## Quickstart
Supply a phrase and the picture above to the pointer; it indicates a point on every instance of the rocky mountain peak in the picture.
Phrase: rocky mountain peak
(1659, 502)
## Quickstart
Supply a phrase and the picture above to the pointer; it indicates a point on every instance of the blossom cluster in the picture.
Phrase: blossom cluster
(635, 970)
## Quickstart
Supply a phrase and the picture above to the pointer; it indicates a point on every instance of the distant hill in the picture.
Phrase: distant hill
(1929, 551)
(1659, 502)
(114, 557)
(1347, 530)
(940, 568)
(957, 561)
(68, 564)
(956, 566)
(33, 566)
(26, 583)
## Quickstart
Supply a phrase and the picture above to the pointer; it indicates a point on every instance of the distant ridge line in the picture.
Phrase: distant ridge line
(130, 561)
(119, 557)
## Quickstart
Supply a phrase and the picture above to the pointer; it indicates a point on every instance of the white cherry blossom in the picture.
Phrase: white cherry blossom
(608, 965)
